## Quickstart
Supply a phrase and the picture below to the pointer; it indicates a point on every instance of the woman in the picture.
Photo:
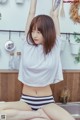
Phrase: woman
(40, 66)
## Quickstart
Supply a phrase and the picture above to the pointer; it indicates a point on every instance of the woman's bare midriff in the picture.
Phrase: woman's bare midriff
(37, 91)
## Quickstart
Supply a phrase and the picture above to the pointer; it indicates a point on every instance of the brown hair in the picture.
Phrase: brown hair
(45, 25)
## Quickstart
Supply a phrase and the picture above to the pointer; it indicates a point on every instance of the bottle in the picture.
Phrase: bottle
(17, 61)
(12, 61)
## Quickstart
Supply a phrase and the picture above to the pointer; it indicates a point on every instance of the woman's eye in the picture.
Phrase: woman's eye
(38, 32)
(32, 30)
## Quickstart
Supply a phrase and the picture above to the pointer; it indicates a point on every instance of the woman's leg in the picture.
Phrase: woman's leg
(13, 114)
(55, 112)
(18, 105)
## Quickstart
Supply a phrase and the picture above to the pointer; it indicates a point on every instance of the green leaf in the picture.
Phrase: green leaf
(77, 59)
(77, 40)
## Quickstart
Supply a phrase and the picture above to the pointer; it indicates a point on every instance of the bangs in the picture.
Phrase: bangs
(37, 24)
(45, 25)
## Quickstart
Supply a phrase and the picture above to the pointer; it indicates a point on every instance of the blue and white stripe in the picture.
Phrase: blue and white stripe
(37, 102)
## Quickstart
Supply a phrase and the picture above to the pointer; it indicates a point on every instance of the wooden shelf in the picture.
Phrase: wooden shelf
(16, 71)
(71, 70)
(8, 71)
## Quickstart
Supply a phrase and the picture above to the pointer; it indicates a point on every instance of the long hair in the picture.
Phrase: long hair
(45, 25)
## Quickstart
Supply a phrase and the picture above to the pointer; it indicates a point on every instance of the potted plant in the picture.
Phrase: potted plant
(63, 43)
(75, 46)
(77, 57)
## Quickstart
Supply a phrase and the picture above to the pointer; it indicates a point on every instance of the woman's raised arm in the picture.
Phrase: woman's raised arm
(54, 13)
(30, 14)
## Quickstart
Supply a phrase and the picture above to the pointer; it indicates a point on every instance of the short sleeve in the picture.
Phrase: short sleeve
(21, 68)
(59, 72)
(20, 74)
(59, 41)
(20, 71)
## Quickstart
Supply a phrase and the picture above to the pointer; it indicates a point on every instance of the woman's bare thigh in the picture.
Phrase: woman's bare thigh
(55, 112)
(25, 106)
(18, 105)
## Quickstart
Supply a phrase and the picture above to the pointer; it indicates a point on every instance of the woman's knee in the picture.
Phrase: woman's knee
(56, 112)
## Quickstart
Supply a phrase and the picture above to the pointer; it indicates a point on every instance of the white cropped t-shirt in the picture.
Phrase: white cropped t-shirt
(37, 69)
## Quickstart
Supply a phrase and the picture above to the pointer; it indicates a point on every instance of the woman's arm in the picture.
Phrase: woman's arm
(54, 13)
(30, 14)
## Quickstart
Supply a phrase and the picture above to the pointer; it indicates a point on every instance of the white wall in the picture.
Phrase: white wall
(14, 17)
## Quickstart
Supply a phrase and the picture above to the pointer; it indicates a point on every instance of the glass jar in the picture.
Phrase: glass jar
(17, 60)
(12, 61)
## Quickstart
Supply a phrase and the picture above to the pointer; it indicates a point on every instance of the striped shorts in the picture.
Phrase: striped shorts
(37, 102)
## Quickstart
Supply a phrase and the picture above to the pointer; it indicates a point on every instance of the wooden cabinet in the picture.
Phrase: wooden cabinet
(72, 81)
(10, 87)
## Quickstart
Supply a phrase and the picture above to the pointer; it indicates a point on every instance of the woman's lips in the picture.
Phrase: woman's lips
(35, 39)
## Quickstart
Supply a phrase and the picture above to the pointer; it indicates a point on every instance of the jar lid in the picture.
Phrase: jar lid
(9, 46)
(18, 53)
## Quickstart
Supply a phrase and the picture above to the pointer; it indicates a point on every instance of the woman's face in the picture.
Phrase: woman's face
(37, 36)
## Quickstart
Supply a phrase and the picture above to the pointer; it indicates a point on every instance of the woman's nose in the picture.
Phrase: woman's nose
(35, 34)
